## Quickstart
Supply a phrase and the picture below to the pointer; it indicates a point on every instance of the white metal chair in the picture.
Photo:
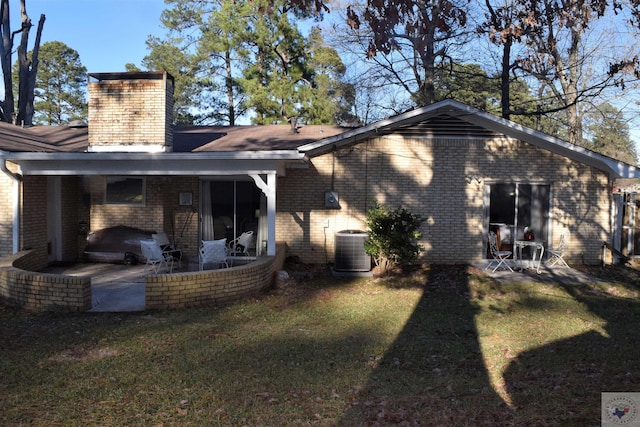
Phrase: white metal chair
(557, 253)
(154, 256)
(167, 248)
(213, 252)
(241, 245)
(499, 257)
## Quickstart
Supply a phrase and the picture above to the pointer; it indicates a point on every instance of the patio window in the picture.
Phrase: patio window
(630, 245)
(123, 190)
(231, 207)
(509, 207)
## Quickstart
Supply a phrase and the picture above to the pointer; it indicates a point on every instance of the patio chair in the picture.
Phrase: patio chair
(154, 256)
(213, 252)
(557, 253)
(241, 245)
(499, 257)
(167, 248)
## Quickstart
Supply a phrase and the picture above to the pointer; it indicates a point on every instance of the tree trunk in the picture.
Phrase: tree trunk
(426, 94)
(6, 47)
(27, 69)
(505, 85)
(33, 72)
(229, 88)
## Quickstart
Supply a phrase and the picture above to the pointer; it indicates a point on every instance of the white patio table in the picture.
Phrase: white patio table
(536, 247)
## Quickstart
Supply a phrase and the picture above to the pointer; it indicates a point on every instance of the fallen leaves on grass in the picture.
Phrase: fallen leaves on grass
(79, 355)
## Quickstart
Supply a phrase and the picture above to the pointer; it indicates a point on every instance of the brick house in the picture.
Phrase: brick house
(466, 171)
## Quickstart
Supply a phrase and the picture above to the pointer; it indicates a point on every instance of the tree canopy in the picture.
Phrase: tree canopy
(561, 57)
(60, 85)
(236, 57)
(540, 63)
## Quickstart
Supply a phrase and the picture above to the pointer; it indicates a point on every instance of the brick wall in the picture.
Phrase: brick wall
(34, 219)
(161, 212)
(38, 291)
(212, 286)
(70, 222)
(6, 214)
(131, 111)
(429, 177)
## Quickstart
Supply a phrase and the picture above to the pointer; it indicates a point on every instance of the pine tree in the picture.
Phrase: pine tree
(60, 85)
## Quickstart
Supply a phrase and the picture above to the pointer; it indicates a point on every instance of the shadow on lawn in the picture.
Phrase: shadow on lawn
(561, 383)
(433, 374)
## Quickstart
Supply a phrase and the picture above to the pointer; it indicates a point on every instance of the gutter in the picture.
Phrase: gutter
(17, 181)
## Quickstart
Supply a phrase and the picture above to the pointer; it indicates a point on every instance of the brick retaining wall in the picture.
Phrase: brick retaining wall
(36, 291)
(41, 291)
(225, 285)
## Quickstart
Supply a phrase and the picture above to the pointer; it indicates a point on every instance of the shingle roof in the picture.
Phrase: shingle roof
(247, 138)
(42, 139)
(49, 139)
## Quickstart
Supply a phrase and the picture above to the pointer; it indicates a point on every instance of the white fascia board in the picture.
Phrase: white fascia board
(203, 155)
(615, 168)
(153, 164)
(129, 148)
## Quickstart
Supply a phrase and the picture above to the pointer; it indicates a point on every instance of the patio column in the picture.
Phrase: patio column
(269, 190)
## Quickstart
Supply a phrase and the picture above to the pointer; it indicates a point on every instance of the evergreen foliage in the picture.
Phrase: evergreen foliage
(60, 85)
(392, 236)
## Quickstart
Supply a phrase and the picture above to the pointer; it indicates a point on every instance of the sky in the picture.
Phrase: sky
(107, 34)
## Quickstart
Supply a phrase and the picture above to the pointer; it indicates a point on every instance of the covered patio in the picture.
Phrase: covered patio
(118, 287)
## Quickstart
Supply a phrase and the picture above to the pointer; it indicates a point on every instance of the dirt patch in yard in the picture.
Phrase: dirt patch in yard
(629, 274)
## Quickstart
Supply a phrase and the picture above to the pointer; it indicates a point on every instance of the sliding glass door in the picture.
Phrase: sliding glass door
(231, 207)
(510, 207)
(630, 244)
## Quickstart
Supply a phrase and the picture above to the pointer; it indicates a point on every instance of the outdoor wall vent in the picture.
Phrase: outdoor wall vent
(331, 199)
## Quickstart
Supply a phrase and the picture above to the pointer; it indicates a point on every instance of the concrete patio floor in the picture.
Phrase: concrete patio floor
(114, 287)
(555, 274)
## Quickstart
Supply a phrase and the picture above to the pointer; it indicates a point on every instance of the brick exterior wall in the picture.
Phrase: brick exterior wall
(161, 212)
(71, 199)
(429, 177)
(38, 291)
(6, 214)
(131, 111)
(212, 286)
(33, 217)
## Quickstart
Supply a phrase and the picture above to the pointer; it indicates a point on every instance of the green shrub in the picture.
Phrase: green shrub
(392, 236)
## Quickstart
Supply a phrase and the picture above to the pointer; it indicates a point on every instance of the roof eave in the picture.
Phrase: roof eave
(614, 168)
(201, 164)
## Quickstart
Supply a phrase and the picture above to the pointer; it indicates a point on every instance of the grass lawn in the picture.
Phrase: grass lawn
(442, 346)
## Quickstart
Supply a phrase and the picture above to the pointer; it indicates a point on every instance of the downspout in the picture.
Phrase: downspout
(17, 180)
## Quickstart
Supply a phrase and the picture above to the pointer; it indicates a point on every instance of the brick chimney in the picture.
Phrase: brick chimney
(131, 112)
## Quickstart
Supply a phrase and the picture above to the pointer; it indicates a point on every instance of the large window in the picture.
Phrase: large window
(510, 207)
(232, 207)
(631, 224)
(123, 190)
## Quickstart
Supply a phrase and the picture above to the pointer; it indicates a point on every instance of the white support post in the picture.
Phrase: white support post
(269, 190)
(16, 215)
